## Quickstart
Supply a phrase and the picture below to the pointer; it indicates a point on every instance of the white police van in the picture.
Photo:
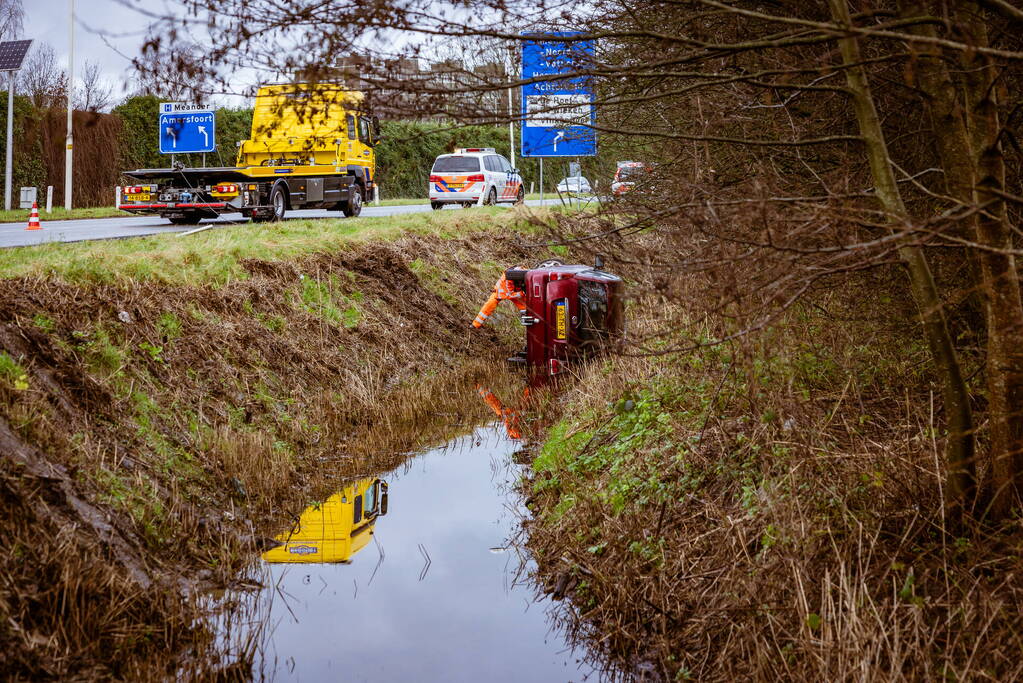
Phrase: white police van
(474, 175)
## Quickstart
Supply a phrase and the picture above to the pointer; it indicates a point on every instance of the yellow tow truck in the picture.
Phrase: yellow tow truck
(311, 147)
(336, 529)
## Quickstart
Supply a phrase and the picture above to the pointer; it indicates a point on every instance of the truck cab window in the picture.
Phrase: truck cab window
(352, 135)
(364, 132)
(369, 501)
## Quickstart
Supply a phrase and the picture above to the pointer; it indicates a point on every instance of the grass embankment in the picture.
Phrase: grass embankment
(165, 403)
(61, 214)
(770, 508)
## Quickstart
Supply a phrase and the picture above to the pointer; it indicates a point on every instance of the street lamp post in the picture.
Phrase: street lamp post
(70, 143)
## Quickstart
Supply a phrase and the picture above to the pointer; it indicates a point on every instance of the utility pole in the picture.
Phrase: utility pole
(70, 143)
(511, 104)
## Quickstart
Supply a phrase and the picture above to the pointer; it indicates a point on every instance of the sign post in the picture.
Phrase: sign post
(558, 112)
(12, 54)
(187, 129)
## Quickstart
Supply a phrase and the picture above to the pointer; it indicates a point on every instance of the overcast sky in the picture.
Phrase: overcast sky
(98, 21)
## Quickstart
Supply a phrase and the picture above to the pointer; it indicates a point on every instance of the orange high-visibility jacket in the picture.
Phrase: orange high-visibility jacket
(505, 289)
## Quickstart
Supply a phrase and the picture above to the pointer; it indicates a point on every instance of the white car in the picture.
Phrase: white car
(472, 174)
(575, 185)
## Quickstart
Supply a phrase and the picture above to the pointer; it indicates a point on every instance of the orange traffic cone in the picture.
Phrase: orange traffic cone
(33, 219)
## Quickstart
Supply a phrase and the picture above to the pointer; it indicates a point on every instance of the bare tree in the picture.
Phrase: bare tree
(12, 19)
(94, 94)
(43, 79)
(167, 76)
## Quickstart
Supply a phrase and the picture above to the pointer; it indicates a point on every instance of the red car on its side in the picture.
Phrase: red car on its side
(572, 311)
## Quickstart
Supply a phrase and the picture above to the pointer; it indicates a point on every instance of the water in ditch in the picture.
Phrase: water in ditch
(410, 576)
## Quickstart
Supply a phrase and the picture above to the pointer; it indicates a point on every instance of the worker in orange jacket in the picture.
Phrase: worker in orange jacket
(505, 289)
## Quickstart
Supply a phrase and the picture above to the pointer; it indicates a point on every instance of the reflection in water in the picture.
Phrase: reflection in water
(336, 529)
(509, 416)
(441, 596)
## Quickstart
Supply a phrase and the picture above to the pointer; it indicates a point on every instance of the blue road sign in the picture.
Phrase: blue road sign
(185, 132)
(558, 114)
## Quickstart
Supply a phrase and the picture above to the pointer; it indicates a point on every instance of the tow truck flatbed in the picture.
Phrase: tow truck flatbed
(190, 175)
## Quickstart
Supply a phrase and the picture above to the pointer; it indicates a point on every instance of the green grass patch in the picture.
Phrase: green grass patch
(573, 457)
(169, 326)
(12, 373)
(216, 256)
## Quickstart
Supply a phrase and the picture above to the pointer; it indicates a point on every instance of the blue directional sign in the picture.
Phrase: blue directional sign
(558, 114)
(186, 129)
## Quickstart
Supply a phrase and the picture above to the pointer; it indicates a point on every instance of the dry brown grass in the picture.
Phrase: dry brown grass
(769, 508)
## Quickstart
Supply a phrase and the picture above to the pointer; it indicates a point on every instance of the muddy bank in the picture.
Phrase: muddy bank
(152, 431)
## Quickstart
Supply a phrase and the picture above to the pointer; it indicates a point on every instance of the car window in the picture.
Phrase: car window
(351, 128)
(491, 163)
(456, 165)
(364, 129)
(630, 172)
(505, 164)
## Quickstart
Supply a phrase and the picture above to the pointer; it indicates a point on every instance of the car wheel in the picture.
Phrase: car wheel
(353, 207)
(520, 197)
(491, 199)
(436, 206)
(279, 203)
(550, 263)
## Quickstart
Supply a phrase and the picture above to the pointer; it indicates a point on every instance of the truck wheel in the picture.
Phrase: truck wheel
(190, 218)
(353, 207)
(491, 199)
(520, 197)
(436, 206)
(279, 202)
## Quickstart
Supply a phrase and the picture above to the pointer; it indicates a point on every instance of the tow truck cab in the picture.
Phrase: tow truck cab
(572, 312)
(334, 530)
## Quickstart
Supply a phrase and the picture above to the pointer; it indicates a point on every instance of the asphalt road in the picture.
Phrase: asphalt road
(15, 234)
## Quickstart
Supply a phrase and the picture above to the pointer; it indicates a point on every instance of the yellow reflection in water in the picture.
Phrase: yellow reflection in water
(337, 528)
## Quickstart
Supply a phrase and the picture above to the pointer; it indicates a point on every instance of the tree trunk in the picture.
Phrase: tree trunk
(959, 447)
(999, 276)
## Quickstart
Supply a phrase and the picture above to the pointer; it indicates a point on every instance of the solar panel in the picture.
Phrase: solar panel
(12, 54)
